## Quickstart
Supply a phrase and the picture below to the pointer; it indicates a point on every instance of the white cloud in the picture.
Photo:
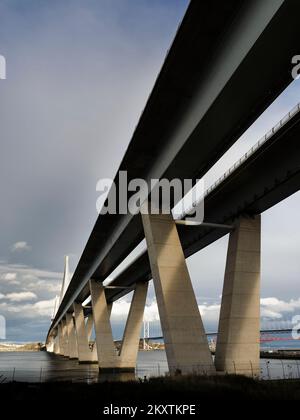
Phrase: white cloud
(20, 296)
(44, 285)
(43, 307)
(20, 246)
(27, 292)
(271, 308)
(120, 309)
(151, 312)
(274, 308)
(9, 276)
(30, 278)
(269, 314)
(210, 312)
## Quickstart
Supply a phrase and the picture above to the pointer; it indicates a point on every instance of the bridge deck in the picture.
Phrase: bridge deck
(210, 75)
(270, 174)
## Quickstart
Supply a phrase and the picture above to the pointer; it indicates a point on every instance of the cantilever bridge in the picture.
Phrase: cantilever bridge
(224, 68)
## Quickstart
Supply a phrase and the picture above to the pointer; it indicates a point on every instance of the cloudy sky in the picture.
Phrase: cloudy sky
(78, 76)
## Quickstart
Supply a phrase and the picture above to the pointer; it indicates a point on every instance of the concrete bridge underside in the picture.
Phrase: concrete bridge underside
(184, 336)
(189, 104)
(177, 135)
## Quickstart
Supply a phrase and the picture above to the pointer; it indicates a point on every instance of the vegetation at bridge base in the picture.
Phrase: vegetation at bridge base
(182, 389)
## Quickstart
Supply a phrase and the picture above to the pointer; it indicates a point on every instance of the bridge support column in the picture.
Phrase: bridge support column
(131, 339)
(60, 344)
(50, 345)
(65, 341)
(90, 321)
(72, 341)
(84, 351)
(106, 351)
(89, 326)
(56, 348)
(238, 340)
(89, 329)
(184, 336)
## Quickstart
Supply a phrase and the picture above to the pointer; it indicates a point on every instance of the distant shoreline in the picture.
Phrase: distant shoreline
(9, 347)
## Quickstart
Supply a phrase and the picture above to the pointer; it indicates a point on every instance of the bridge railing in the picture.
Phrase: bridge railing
(253, 149)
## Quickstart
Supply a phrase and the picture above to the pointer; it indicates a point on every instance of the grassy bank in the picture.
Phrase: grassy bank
(177, 389)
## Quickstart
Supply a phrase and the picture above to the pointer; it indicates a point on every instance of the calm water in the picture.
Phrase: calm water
(42, 366)
(271, 340)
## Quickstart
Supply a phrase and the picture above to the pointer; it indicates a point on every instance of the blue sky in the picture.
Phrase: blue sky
(78, 77)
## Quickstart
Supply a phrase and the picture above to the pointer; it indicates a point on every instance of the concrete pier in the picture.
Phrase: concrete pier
(83, 349)
(56, 347)
(106, 351)
(65, 342)
(238, 342)
(72, 340)
(89, 328)
(131, 339)
(50, 345)
(60, 343)
(184, 336)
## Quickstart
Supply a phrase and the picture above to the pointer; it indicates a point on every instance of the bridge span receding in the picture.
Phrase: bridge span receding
(235, 103)
(178, 137)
